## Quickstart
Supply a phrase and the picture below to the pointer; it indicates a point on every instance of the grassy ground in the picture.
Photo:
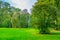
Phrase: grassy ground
(26, 34)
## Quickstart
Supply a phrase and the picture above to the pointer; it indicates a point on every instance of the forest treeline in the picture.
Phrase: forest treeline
(44, 14)
(11, 17)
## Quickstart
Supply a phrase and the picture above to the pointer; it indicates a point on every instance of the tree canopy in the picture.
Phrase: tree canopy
(45, 15)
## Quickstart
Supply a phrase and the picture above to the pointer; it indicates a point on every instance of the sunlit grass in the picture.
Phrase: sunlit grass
(26, 34)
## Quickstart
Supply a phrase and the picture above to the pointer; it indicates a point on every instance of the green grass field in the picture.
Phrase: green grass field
(26, 34)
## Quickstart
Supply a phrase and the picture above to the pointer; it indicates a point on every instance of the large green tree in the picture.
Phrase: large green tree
(7, 14)
(44, 15)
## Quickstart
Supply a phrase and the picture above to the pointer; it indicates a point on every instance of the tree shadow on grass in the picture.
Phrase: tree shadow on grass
(54, 34)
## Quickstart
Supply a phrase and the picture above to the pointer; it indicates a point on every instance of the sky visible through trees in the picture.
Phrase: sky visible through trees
(44, 14)
(22, 4)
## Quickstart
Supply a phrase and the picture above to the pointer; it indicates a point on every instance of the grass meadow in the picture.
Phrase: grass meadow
(26, 34)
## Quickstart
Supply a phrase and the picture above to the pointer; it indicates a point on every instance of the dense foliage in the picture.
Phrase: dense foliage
(45, 15)
(12, 17)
